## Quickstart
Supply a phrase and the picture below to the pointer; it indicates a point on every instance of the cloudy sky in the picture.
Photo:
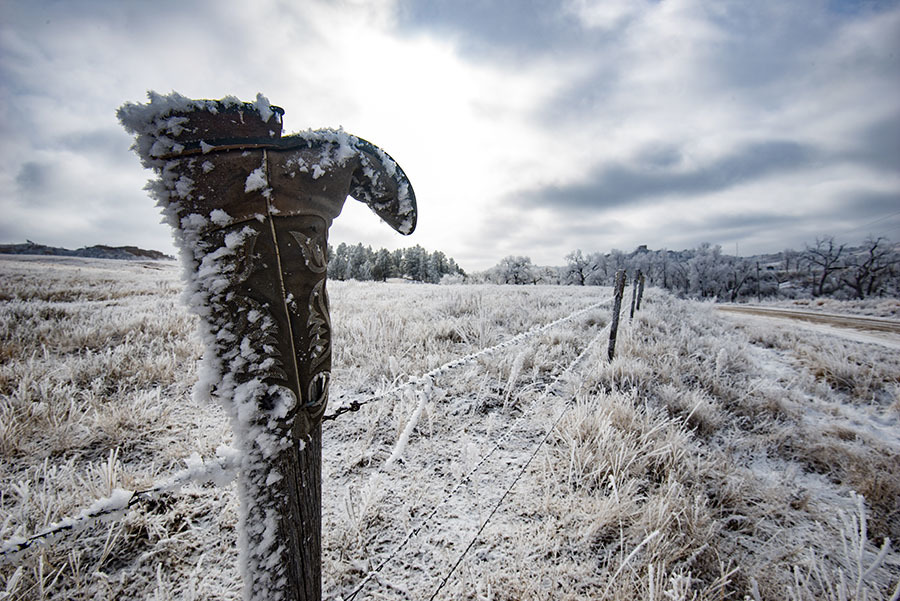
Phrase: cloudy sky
(527, 127)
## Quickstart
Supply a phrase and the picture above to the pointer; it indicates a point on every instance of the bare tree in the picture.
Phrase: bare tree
(660, 268)
(579, 267)
(824, 259)
(864, 273)
(679, 277)
(740, 271)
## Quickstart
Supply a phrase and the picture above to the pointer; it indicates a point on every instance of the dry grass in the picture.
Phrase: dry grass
(706, 462)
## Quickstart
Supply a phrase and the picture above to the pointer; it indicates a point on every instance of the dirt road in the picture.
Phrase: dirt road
(859, 322)
(860, 328)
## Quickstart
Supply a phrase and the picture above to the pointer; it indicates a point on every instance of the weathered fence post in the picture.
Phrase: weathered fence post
(758, 293)
(251, 212)
(619, 288)
(634, 288)
(640, 290)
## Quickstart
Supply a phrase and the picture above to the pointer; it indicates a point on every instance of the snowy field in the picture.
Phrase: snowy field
(715, 458)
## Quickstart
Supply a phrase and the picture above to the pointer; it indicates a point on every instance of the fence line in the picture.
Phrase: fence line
(220, 471)
(438, 371)
(502, 498)
(549, 390)
(446, 578)
(224, 469)
(505, 494)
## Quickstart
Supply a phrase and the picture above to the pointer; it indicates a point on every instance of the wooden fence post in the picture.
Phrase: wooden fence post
(634, 288)
(251, 212)
(640, 290)
(617, 308)
(758, 293)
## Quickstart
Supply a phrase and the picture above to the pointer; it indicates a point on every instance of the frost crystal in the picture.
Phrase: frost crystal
(235, 365)
(242, 367)
(256, 180)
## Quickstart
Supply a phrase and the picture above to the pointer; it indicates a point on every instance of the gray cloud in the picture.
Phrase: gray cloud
(878, 145)
(617, 184)
(498, 28)
(588, 96)
(865, 213)
(746, 223)
(866, 203)
(812, 83)
(111, 142)
(33, 177)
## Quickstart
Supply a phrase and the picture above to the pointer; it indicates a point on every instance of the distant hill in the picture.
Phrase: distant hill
(98, 251)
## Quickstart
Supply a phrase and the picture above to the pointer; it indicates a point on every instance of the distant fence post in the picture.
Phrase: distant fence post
(619, 288)
(640, 290)
(251, 212)
(758, 293)
(634, 288)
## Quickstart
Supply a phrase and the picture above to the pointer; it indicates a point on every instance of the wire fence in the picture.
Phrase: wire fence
(223, 469)
(470, 358)
(220, 471)
(550, 390)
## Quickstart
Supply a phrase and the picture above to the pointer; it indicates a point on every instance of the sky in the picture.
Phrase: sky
(527, 127)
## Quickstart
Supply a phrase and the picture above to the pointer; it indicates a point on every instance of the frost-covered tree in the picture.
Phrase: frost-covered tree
(824, 263)
(513, 270)
(356, 263)
(706, 270)
(579, 267)
(617, 260)
(550, 275)
(414, 263)
(658, 273)
(739, 273)
(397, 262)
(436, 267)
(362, 263)
(867, 272)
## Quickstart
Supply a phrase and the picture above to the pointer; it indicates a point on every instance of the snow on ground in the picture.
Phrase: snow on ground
(712, 459)
(872, 330)
(885, 339)
(873, 420)
(874, 306)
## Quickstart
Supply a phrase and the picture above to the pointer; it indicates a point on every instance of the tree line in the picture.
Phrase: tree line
(348, 262)
(824, 268)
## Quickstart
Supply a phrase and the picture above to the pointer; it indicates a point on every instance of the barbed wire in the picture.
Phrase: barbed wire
(505, 494)
(438, 371)
(223, 470)
(549, 390)
(220, 471)
(502, 498)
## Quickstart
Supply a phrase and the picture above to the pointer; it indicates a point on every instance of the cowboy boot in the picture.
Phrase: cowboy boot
(251, 211)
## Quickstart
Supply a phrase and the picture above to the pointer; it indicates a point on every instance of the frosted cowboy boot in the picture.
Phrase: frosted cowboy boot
(251, 212)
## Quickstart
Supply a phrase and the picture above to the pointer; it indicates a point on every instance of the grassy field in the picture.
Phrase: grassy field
(712, 459)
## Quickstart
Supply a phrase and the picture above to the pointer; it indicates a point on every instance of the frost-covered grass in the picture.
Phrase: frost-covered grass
(708, 461)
